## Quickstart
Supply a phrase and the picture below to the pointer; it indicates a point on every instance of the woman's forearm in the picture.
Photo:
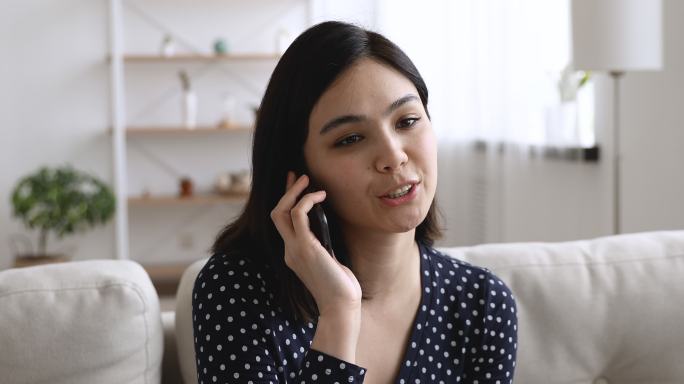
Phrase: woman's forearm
(338, 336)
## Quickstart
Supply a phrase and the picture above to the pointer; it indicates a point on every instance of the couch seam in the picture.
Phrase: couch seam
(590, 264)
(126, 284)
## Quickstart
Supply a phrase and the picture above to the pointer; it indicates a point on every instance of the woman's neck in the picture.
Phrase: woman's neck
(386, 265)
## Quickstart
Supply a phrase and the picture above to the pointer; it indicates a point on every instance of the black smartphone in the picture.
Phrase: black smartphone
(318, 222)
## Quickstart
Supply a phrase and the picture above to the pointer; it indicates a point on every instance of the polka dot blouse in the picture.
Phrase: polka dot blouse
(465, 330)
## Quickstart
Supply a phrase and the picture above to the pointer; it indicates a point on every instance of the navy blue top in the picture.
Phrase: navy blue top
(465, 330)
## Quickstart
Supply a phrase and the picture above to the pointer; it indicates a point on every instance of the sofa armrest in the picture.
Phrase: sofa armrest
(184, 332)
(93, 321)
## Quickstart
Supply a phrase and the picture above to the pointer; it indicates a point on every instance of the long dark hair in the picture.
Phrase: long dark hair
(308, 67)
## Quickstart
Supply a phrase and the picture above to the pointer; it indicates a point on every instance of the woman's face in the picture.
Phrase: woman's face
(370, 145)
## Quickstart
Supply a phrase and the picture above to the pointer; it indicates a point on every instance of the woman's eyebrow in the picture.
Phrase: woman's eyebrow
(356, 118)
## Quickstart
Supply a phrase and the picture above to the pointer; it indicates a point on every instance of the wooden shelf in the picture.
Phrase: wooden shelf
(168, 134)
(178, 130)
(141, 58)
(193, 200)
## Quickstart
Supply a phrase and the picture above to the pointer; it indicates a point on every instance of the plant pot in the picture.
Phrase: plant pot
(29, 260)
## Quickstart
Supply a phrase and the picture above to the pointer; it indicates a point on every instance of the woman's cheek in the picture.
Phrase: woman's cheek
(342, 187)
(429, 146)
(427, 152)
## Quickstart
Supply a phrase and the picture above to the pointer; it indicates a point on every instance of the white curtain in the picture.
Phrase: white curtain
(493, 66)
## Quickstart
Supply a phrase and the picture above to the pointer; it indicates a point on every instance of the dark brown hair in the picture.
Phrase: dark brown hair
(308, 67)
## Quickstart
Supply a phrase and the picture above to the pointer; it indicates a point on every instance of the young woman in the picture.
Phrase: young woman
(346, 108)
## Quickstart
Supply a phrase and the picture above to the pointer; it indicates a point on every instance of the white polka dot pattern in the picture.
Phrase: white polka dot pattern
(465, 330)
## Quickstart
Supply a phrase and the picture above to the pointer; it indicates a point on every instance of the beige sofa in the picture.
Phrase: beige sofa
(606, 310)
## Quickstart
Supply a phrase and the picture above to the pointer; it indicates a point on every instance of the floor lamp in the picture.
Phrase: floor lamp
(617, 36)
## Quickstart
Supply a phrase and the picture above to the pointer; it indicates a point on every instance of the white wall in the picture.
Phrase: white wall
(55, 110)
(653, 121)
(53, 103)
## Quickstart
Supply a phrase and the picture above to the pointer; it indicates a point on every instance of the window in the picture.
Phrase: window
(498, 70)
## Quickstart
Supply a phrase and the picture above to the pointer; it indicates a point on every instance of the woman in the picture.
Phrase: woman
(347, 108)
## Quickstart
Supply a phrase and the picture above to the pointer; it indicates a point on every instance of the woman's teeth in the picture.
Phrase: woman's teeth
(399, 192)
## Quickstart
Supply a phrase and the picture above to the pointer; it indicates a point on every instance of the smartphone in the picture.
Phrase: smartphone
(318, 222)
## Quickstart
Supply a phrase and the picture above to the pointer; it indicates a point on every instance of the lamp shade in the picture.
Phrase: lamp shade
(617, 35)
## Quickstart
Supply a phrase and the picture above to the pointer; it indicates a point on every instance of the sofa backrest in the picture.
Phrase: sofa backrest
(609, 309)
(80, 322)
(604, 310)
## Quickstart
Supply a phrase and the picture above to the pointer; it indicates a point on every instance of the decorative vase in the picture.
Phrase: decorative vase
(282, 41)
(189, 110)
(240, 182)
(228, 118)
(223, 183)
(168, 46)
(220, 47)
(561, 124)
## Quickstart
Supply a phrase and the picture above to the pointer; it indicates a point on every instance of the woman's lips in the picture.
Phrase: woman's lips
(400, 184)
(408, 197)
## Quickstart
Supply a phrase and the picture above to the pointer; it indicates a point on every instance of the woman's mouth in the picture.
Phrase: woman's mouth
(401, 195)
(399, 192)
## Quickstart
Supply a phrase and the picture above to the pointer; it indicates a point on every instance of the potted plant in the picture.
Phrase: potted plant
(60, 201)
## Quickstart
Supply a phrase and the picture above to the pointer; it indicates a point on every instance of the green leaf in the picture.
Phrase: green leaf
(62, 200)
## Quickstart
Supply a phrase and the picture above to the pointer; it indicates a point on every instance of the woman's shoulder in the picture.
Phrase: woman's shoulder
(441, 260)
(479, 291)
(233, 274)
(458, 274)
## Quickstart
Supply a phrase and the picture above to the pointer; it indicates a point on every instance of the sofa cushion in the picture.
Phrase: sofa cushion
(603, 310)
(609, 308)
(80, 322)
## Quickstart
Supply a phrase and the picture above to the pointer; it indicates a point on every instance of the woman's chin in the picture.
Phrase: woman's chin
(388, 223)
(406, 224)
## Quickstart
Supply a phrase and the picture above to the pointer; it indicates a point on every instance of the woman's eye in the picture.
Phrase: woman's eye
(351, 139)
(408, 122)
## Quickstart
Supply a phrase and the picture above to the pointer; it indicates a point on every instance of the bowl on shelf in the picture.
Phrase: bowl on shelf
(228, 183)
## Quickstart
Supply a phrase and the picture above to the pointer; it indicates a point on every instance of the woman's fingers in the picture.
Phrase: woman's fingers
(281, 214)
(292, 192)
(300, 219)
(290, 180)
(332, 285)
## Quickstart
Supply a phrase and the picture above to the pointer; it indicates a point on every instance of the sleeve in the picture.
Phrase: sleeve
(494, 362)
(234, 341)
(230, 336)
(321, 366)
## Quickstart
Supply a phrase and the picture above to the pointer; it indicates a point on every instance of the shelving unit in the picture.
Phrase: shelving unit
(196, 199)
(122, 131)
(178, 130)
(199, 58)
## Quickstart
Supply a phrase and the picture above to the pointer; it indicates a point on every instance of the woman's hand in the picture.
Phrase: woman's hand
(334, 287)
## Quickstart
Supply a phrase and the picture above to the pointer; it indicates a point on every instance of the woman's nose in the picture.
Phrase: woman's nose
(391, 155)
